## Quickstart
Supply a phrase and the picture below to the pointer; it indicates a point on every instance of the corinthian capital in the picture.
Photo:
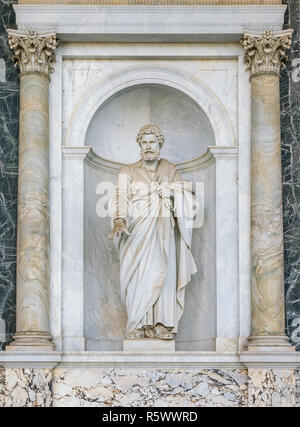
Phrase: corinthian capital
(33, 51)
(266, 51)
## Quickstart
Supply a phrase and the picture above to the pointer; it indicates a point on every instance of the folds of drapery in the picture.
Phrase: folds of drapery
(144, 254)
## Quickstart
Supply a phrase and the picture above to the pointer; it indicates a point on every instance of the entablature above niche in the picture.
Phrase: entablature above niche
(174, 21)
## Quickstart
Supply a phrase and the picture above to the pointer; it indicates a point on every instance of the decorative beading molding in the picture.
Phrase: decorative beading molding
(33, 51)
(266, 51)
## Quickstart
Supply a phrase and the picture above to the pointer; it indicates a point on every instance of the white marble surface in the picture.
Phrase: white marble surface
(150, 23)
(55, 250)
(146, 345)
(105, 315)
(73, 248)
(227, 248)
(89, 83)
(186, 128)
(214, 83)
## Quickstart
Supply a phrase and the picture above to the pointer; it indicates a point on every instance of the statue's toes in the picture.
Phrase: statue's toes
(137, 333)
(149, 333)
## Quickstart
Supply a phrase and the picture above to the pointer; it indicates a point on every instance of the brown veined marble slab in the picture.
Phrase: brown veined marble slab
(271, 388)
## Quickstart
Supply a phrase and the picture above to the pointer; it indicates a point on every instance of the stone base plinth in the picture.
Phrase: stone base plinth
(269, 343)
(31, 341)
(148, 344)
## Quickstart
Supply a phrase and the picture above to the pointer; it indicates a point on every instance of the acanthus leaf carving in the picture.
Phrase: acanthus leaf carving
(265, 52)
(33, 51)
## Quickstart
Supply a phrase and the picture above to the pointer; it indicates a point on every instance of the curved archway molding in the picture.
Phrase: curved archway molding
(102, 90)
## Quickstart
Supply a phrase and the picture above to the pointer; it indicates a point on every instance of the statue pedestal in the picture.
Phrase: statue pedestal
(148, 344)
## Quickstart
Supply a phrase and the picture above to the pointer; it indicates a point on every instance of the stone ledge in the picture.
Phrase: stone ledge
(154, 359)
(29, 359)
(268, 360)
(146, 345)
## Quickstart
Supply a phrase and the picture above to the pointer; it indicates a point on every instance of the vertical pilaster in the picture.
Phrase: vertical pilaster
(264, 56)
(73, 248)
(226, 236)
(34, 54)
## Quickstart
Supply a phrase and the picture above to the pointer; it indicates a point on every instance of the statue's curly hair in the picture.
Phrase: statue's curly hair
(149, 129)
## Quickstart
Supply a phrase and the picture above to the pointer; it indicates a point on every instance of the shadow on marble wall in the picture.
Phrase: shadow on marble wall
(290, 121)
(9, 112)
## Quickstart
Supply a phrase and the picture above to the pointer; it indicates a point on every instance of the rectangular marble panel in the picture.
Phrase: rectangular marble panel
(27, 388)
(149, 388)
(272, 388)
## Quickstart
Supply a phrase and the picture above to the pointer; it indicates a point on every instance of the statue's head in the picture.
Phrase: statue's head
(150, 140)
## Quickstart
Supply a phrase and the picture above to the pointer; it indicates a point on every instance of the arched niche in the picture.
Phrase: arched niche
(111, 134)
(137, 75)
(186, 128)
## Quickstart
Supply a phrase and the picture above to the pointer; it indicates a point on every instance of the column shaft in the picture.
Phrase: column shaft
(266, 209)
(34, 54)
(265, 53)
(33, 214)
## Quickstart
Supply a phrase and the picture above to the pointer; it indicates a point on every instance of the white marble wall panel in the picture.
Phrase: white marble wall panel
(104, 316)
(226, 235)
(82, 75)
(83, 69)
(73, 248)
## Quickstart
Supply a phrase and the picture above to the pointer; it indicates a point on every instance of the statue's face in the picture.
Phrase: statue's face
(150, 149)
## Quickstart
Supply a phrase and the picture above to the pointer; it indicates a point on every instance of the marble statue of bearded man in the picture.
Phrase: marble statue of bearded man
(152, 211)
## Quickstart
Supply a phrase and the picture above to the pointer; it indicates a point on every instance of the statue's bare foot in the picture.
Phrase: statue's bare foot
(149, 333)
(137, 333)
(163, 333)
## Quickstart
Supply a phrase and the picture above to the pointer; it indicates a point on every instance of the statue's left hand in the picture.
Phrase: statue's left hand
(165, 191)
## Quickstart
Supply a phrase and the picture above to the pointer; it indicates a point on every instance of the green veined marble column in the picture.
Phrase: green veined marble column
(264, 55)
(34, 54)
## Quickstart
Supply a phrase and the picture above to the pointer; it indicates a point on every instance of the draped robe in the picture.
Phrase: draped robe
(155, 259)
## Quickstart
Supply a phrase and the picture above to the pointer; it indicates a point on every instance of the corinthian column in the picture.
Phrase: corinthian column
(265, 53)
(34, 54)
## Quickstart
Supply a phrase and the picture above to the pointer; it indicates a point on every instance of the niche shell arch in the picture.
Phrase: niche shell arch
(186, 128)
(102, 90)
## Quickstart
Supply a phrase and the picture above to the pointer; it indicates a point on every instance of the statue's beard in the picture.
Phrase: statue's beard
(149, 155)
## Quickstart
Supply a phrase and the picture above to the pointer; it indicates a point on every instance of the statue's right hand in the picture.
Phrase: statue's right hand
(119, 228)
